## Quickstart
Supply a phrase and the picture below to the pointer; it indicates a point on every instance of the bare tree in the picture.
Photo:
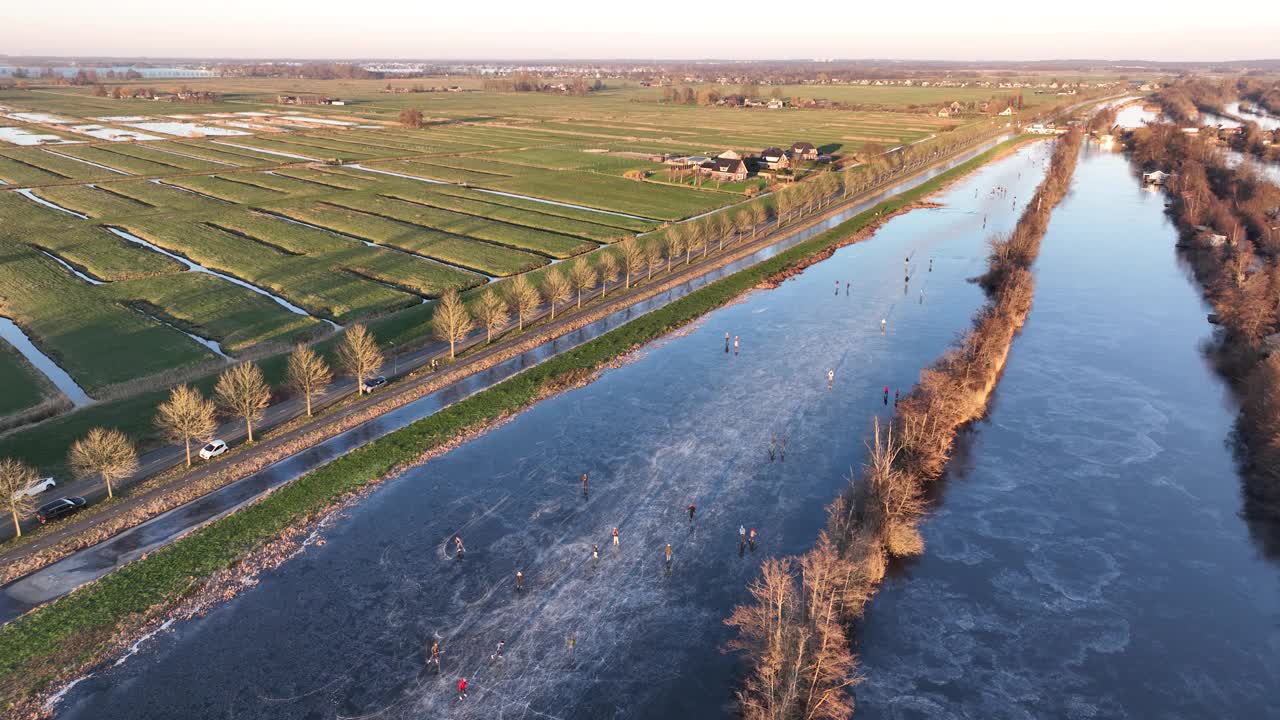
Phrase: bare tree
(411, 118)
(104, 452)
(583, 277)
(15, 477)
(309, 374)
(524, 299)
(492, 312)
(632, 258)
(677, 237)
(187, 415)
(452, 321)
(699, 232)
(653, 256)
(557, 287)
(607, 266)
(243, 392)
(743, 223)
(759, 215)
(359, 355)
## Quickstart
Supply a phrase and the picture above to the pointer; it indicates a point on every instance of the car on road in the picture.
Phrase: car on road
(373, 384)
(213, 449)
(37, 487)
(60, 508)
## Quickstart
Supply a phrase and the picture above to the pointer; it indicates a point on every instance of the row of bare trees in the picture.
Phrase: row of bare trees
(1213, 198)
(188, 416)
(793, 631)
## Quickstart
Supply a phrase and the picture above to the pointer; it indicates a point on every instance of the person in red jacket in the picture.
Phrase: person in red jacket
(462, 688)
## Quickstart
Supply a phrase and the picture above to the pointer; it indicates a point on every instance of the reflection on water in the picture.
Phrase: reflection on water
(340, 631)
(1091, 562)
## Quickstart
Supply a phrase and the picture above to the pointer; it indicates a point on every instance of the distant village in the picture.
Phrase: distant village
(731, 166)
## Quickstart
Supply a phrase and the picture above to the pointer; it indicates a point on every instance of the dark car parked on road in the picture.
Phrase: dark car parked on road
(60, 508)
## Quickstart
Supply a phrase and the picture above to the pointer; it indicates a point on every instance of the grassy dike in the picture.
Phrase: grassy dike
(36, 649)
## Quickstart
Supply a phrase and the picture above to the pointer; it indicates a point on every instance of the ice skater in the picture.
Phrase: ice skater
(459, 550)
(896, 395)
(435, 656)
(595, 554)
(782, 450)
(584, 484)
(831, 378)
(751, 539)
(692, 510)
(667, 552)
(519, 581)
(930, 264)
(462, 689)
(573, 641)
(735, 344)
(846, 288)
(773, 447)
(497, 653)
(837, 287)
(886, 396)
(883, 322)
(615, 537)
(742, 535)
(726, 343)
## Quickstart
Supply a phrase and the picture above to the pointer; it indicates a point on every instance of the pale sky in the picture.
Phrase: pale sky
(661, 29)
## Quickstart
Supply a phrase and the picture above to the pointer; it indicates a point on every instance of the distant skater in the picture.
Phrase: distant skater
(692, 510)
(735, 344)
(584, 484)
(497, 653)
(837, 287)
(615, 537)
(931, 264)
(773, 446)
(459, 550)
(462, 689)
(831, 378)
(783, 450)
(519, 581)
(896, 395)
(667, 553)
(595, 554)
(726, 343)
(751, 538)
(846, 288)
(573, 641)
(742, 535)
(883, 322)
(886, 395)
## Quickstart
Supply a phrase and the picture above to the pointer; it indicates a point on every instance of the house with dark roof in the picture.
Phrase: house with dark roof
(804, 151)
(725, 169)
(774, 159)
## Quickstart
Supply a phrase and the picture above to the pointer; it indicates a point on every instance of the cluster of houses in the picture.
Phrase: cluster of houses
(730, 166)
(307, 100)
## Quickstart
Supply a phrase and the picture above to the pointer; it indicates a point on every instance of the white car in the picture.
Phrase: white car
(37, 487)
(213, 449)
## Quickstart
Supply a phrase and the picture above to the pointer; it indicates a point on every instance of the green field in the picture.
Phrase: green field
(528, 179)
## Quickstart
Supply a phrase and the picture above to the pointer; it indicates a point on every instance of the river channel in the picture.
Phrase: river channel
(1087, 558)
(341, 630)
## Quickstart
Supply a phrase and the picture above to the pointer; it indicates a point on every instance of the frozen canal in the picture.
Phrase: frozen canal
(1089, 559)
(341, 631)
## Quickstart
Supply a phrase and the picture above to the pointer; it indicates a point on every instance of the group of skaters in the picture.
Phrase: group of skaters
(735, 343)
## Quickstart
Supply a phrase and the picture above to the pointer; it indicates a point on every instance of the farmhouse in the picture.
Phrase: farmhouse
(944, 112)
(725, 169)
(804, 151)
(307, 100)
(774, 158)
(1007, 111)
(1155, 177)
